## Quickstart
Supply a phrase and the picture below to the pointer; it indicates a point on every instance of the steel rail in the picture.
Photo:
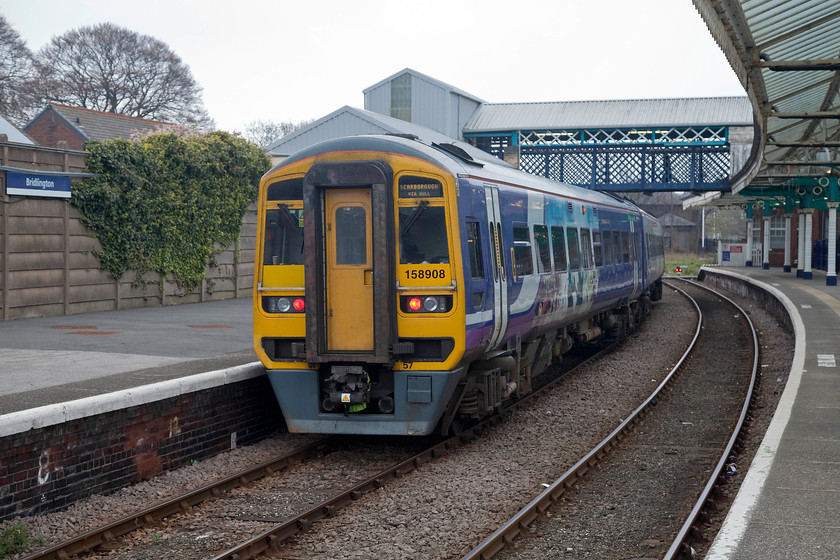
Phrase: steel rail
(516, 525)
(269, 542)
(107, 534)
(680, 545)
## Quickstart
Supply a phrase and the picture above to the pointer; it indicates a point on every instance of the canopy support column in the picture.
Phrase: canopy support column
(831, 273)
(765, 249)
(787, 242)
(749, 241)
(807, 274)
(800, 238)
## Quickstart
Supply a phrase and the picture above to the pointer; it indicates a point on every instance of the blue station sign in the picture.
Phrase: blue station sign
(30, 184)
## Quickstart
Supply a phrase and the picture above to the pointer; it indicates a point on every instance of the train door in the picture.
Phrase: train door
(635, 255)
(500, 292)
(349, 270)
(349, 262)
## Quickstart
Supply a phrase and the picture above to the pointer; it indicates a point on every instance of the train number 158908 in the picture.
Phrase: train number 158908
(415, 274)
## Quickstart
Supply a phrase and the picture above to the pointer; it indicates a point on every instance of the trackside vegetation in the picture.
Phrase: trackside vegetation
(166, 203)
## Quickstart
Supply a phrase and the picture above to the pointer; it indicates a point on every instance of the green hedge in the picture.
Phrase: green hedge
(168, 204)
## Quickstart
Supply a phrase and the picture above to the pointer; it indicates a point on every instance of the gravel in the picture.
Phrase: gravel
(446, 507)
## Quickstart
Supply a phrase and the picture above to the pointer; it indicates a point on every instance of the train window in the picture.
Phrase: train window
(283, 236)
(586, 248)
(574, 248)
(474, 248)
(617, 246)
(596, 247)
(558, 246)
(350, 235)
(543, 253)
(290, 189)
(625, 247)
(608, 253)
(523, 264)
(423, 234)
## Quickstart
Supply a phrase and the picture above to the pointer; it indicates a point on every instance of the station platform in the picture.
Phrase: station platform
(787, 507)
(52, 360)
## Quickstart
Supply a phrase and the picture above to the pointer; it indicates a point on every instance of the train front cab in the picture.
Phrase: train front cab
(360, 328)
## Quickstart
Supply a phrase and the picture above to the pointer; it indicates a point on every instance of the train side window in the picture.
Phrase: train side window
(596, 245)
(474, 248)
(543, 253)
(283, 236)
(586, 248)
(523, 264)
(625, 247)
(558, 246)
(617, 246)
(574, 248)
(608, 253)
(423, 234)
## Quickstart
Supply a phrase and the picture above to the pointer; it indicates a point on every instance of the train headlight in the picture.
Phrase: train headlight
(430, 304)
(283, 304)
(426, 304)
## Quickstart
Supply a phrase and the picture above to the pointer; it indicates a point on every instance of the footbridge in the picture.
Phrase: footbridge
(636, 145)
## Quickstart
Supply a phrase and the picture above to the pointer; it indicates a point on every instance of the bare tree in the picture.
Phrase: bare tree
(109, 68)
(265, 133)
(17, 69)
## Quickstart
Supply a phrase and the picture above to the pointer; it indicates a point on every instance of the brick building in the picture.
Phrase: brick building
(62, 126)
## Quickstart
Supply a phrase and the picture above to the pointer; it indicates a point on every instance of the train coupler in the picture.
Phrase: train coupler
(347, 385)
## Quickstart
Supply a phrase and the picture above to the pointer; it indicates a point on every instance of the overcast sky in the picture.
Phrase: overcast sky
(285, 60)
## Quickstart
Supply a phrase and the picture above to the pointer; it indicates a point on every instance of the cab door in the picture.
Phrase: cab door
(349, 270)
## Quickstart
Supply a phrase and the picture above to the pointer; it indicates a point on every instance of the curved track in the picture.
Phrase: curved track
(548, 531)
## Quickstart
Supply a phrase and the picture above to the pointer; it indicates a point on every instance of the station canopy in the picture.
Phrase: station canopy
(786, 53)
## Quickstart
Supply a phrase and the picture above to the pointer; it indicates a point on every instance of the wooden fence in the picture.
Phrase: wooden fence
(47, 257)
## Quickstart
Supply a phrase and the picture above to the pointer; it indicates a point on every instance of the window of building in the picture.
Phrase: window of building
(777, 232)
(401, 97)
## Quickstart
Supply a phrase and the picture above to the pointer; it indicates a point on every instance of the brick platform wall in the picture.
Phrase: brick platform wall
(47, 469)
(718, 279)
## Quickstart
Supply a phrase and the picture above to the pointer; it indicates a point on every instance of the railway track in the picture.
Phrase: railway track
(578, 514)
(271, 539)
(108, 537)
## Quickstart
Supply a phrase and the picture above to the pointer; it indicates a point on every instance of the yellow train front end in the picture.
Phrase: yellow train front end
(358, 318)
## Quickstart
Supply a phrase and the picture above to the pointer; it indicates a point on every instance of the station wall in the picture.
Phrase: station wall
(48, 265)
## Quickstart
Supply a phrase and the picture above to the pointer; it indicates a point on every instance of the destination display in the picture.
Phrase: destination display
(419, 187)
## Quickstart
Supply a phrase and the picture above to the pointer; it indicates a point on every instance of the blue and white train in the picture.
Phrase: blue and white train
(404, 287)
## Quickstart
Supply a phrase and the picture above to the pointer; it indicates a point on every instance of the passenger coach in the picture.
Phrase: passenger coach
(404, 287)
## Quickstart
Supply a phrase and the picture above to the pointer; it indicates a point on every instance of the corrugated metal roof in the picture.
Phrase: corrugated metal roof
(702, 111)
(785, 53)
(349, 121)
